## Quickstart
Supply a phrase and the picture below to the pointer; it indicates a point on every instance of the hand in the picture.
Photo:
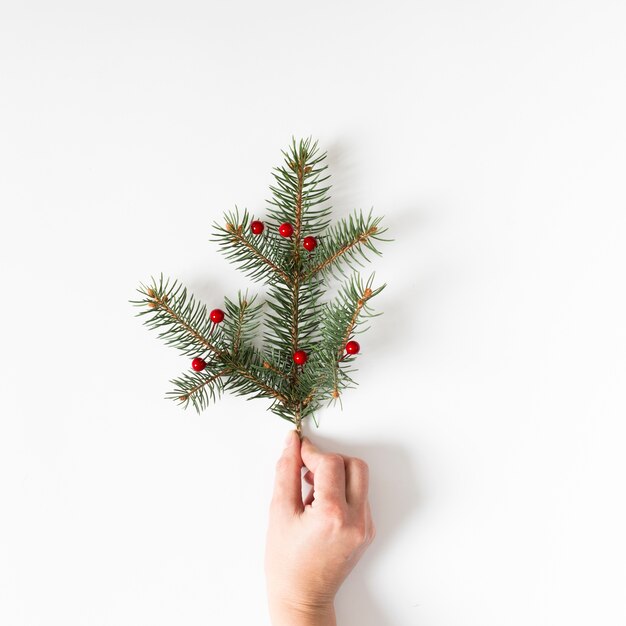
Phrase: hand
(313, 545)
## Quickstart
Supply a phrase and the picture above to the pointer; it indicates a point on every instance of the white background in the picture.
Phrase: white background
(491, 405)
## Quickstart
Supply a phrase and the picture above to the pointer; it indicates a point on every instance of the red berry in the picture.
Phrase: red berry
(257, 227)
(217, 315)
(309, 243)
(285, 230)
(198, 364)
(300, 357)
(352, 347)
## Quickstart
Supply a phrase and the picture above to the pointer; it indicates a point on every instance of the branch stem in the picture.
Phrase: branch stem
(295, 282)
(367, 294)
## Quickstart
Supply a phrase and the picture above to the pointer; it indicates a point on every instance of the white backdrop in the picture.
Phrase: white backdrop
(491, 403)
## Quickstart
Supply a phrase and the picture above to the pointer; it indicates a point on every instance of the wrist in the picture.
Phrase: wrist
(302, 614)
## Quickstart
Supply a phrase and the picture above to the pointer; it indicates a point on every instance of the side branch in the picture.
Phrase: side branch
(238, 237)
(359, 239)
(360, 303)
(239, 326)
(158, 302)
(367, 294)
(268, 366)
(259, 383)
(203, 384)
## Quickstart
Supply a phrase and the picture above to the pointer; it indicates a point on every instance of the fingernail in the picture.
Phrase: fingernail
(289, 438)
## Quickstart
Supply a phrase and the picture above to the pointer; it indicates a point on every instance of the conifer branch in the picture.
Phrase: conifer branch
(344, 249)
(270, 391)
(295, 320)
(360, 303)
(295, 284)
(269, 366)
(238, 237)
(342, 319)
(197, 389)
(184, 323)
(241, 320)
(345, 242)
(260, 257)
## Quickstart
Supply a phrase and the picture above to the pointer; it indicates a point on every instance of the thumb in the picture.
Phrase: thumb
(288, 482)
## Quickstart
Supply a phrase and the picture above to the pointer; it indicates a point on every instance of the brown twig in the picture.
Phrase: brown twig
(367, 294)
(295, 284)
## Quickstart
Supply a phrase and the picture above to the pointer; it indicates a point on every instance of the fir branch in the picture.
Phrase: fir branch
(345, 241)
(269, 366)
(298, 185)
(258, 258)
(298, 199)
(296, 317)
(348, 310)
(183, 322)
(253, 378)
(241, 320)
(343, 317)
(198, 388)
(186, 325)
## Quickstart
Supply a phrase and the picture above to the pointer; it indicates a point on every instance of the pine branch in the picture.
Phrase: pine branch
(183, 322)
(343, 318)
(242, 320)
(298, 200)
(259, 258)
(298, 189)
(345, 242)
(252, 378)
(296, 319)
(198, 388)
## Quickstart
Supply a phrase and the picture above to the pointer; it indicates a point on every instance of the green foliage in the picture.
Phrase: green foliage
(295, 317)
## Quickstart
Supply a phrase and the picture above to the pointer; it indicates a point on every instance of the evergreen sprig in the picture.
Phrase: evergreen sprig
(296, 317)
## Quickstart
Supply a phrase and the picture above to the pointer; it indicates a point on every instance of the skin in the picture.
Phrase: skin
(313, 545)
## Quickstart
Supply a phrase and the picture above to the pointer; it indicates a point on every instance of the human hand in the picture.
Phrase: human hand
(312, 545)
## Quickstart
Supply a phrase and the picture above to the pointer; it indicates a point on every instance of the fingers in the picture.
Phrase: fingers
(309, 497)
(330, 473)
(356, 476)
(357, 481)
(288, 482)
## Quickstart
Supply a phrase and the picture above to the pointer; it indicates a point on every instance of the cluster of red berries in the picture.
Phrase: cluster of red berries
(285, 230)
